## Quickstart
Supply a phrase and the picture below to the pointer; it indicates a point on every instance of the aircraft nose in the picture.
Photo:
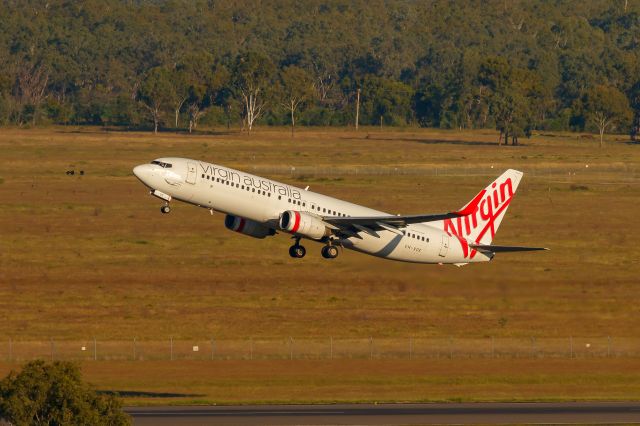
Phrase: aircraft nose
(142, 172)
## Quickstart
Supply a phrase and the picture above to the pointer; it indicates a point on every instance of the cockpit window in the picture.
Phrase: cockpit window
(161, 164)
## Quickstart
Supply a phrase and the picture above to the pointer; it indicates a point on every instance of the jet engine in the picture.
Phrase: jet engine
(247, 227)
(302, 223)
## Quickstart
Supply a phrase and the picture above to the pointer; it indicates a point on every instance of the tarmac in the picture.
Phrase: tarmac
(387, 414)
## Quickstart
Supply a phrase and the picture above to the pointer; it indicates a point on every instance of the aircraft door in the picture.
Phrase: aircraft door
(444, 248)
(191, 173)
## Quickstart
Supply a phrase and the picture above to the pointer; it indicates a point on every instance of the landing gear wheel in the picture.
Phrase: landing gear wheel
(329, 252)
(297, 251)
(165, 209)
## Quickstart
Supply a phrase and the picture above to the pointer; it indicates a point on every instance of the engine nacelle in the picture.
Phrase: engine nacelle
(247, 227)
(302, 223)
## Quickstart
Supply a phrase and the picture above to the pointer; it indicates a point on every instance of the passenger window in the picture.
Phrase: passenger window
(304, 204)
(279, 197)
(203, 176)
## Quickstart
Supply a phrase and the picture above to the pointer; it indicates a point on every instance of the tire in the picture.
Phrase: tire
(165, 209)
(297, 251)
(329, 252)
(332, 252)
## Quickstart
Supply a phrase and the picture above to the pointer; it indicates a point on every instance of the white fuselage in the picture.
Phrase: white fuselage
(263, 200)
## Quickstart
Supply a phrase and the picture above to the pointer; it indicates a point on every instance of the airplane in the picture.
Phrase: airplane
(260, 207)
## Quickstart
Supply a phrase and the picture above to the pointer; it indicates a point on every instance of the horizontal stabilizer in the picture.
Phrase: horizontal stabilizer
(503, 249)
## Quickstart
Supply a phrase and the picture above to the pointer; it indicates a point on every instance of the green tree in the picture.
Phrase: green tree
(634, 96)
(385, 101)
(607, 107)
(156, 94)
(510, 93)
(179, 92)
(253, 75)
(297, 88)
(54, 394)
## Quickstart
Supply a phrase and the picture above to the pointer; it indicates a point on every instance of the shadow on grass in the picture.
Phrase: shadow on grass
(145, 394)
(184, 132)
(427, 141)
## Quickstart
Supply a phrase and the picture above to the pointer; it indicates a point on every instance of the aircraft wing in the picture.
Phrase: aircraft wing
(398, 221)
(370, 224)
(351, 226)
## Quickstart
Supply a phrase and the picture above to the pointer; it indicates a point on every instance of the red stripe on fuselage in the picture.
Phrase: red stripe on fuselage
(240, 226)
(296, 223)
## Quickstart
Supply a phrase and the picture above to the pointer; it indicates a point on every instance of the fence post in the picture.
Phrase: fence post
(370, 347)
(171, 348)
(330, 347)
(290, 347)
(95, 349)
(570, 346)
(533, 346)
(134, 348)
(410, 347)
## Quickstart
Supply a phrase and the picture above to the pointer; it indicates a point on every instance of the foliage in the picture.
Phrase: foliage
(54, 394)
(607, 106)
(516, 65)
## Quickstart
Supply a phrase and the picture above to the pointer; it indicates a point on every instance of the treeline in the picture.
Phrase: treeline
(513, 65)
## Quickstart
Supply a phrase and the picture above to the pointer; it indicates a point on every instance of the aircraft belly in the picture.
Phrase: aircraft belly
(390, 246)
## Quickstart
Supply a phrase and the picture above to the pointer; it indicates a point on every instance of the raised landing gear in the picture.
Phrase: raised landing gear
(165, 209)
(329, 252)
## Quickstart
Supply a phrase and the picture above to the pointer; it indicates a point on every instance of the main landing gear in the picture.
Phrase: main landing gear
(165, 209)
(329, 252)
(297, 251)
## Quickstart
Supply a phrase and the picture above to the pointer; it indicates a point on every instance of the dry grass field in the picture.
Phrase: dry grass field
(91, 255)
(300, 381)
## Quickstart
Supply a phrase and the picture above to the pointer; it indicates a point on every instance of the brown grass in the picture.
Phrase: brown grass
(237, 382)
(92, 256)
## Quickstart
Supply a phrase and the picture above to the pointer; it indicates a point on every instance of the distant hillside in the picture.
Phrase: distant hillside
(514, 65)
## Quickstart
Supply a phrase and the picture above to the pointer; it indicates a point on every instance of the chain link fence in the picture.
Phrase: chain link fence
(320, 348)
(628, 171)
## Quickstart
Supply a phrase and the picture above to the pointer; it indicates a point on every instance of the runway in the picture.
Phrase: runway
(385, 414)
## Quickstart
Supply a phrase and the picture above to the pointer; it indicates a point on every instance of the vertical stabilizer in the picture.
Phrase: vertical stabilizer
(481, 217)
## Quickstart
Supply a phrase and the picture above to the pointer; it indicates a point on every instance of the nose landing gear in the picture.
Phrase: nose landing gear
(165, 209)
